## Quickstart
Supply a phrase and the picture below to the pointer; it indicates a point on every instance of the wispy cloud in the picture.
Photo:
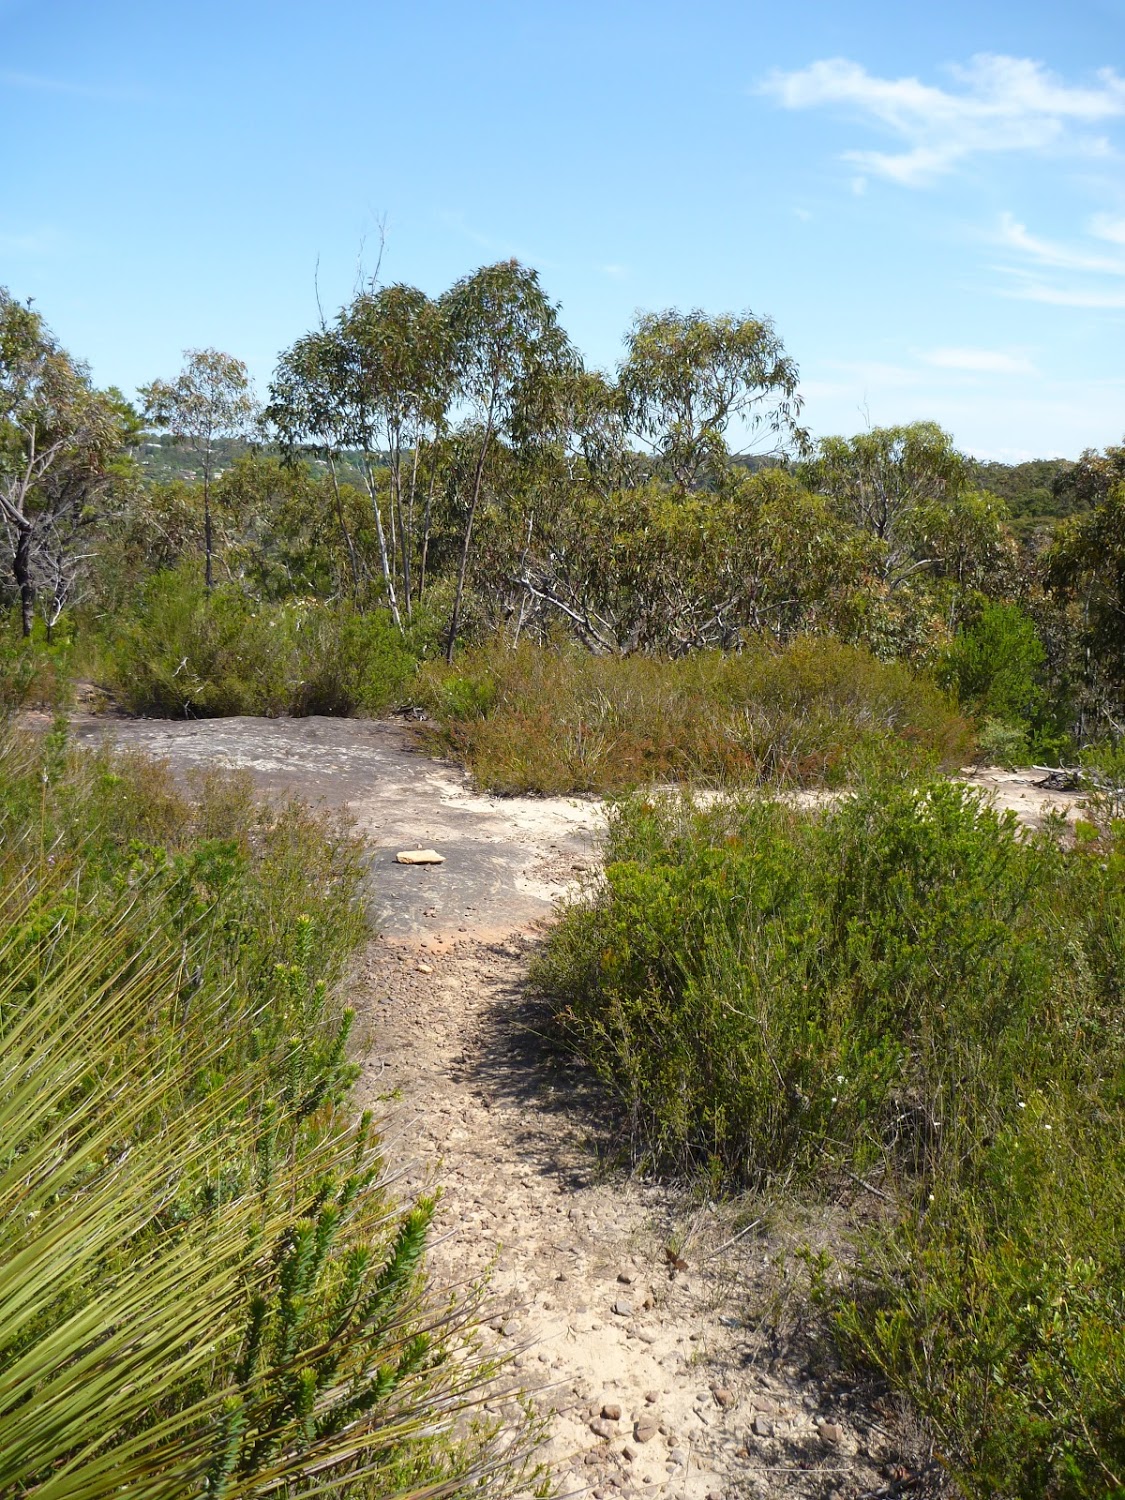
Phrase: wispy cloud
(979, 361)
(1067, 296)
(1106, 227)
(1047, 271)
(999, 104)
(1016, 236)
(39, 84)
(493, 244)
(614, 271)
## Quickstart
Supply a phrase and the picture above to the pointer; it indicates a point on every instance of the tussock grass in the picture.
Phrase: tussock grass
(903, 987)
(554, 720)
(206, 1285)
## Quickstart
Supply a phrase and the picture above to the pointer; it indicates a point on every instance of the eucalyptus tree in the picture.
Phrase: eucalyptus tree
(884, 480)
(309, 406)
(59, 438)
(211, 399)
(508, 355)
(687, 378)
(399, 358)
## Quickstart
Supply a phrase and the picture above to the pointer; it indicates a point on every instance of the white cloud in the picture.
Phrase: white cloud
(1067, 296)
(1001, 104)
(979, 361)
(1015, 236)
(618, 273)
(1106, 228)
(1095, 279)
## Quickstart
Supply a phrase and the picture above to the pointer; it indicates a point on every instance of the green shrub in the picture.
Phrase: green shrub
(561, 720)
(184, 652)
(350, 663)
(1001, 744)
(996, 663)
(34, 673)
(205, 1286)
(904, 984)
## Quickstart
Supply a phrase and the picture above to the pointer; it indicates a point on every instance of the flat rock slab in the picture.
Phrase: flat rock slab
(419, 857)
(506, 859)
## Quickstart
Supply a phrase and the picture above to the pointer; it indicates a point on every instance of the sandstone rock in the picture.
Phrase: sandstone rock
(623, 1307)
(724, 1397)
(765, 1404)
(419, 857)
(645, 1429)
(611, 1411)
(830, 1432)
(601, 1428)
(762, 1427)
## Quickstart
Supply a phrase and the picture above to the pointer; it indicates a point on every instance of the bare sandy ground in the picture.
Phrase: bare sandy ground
(662, 1332)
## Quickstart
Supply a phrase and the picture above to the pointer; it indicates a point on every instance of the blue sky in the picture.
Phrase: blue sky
(929, 201)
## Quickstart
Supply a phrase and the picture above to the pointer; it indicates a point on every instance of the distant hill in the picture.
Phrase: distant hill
(165, 460)
(1031, 490)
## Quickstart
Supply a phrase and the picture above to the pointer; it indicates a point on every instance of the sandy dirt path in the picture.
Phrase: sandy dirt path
(687, 1380)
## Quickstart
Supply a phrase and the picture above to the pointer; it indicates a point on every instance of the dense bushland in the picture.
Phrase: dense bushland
(205, 1285)
(562, 720)
(903, 985)
(183, 651)
(431, 473)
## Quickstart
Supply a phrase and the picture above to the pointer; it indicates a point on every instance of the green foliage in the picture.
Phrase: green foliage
(1000, 743)
(686, 376)
(35, 673)
(185, 651)
(908, 985)
(204, 1284)
(558, 720)
(1085, 570)
(995, 666)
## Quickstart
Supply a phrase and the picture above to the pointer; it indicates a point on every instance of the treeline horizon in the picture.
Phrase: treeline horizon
(453, 463)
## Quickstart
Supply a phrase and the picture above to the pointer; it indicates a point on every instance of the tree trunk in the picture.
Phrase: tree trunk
(426, 523)
(21, 571)
(384, 558)
(403, 538)
(342, 518)
(455, 617)
(208, 539)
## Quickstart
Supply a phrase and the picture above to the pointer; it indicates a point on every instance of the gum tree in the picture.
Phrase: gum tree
(508, 353)
(211, 399)
(59, 438)
(398, 351)
(688, 378)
